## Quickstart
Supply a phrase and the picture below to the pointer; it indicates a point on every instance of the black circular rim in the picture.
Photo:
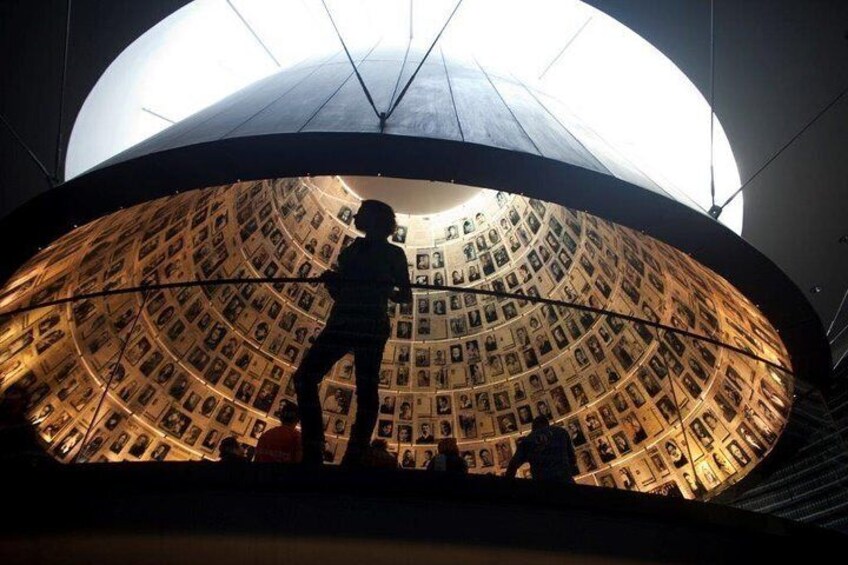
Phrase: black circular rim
(125, 182)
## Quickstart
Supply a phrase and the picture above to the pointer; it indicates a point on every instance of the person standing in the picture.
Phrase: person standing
(549, 451)
(371, 271)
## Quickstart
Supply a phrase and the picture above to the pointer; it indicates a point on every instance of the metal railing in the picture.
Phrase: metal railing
(146, 290)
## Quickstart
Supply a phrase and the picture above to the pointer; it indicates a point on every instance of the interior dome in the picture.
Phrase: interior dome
(654, 411)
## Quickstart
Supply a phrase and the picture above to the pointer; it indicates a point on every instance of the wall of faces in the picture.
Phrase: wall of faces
(647, 410)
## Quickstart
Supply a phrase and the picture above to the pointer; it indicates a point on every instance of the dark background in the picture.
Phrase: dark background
(778, 62)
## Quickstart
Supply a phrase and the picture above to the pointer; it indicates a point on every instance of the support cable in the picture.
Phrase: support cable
(712, 106)
(51, 180)
(158, 115)
(254, 34)
(565, 48)
(832, 340)
(59, 142)
(841, 358)
(84, 442)
(457, 289)
(785, 146)
(836, 315)
(385, 116)
(380, 116)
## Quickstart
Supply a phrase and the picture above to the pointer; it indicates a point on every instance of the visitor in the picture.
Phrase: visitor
(371, 271)
(281, 444)
(378, 456)
(549, 452)
(448, 460)
(231, 451)
(19, 441)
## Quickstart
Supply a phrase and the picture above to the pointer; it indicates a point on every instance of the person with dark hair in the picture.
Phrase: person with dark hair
(281, 444)
(371, 271)
(19, 441)
(231, 451)
(549, 451)
(378, 456)
(448, 460)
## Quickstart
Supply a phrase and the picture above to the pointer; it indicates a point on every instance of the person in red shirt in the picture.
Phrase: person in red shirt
(281, 444)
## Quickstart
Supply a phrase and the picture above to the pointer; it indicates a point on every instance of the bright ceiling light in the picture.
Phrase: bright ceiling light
(620, 88)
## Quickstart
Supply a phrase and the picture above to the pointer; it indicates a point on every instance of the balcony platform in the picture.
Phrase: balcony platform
(211, 513)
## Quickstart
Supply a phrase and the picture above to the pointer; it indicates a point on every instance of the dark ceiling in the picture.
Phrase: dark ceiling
(778, 62)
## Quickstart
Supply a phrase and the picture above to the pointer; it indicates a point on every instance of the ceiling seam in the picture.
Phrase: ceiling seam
(421, 64)
(511, 113)
(336, 91)
(400, 72)
(565, 128)
(297, 83)
(450, 91)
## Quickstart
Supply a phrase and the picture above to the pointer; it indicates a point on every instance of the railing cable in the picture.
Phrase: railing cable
(442, 288)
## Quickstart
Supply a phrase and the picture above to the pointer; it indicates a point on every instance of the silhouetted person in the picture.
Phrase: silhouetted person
(377, 456)
(19, 441)
(448, 460)
(549, 451)
(231, 451)
(371, 271)
(283, 443)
